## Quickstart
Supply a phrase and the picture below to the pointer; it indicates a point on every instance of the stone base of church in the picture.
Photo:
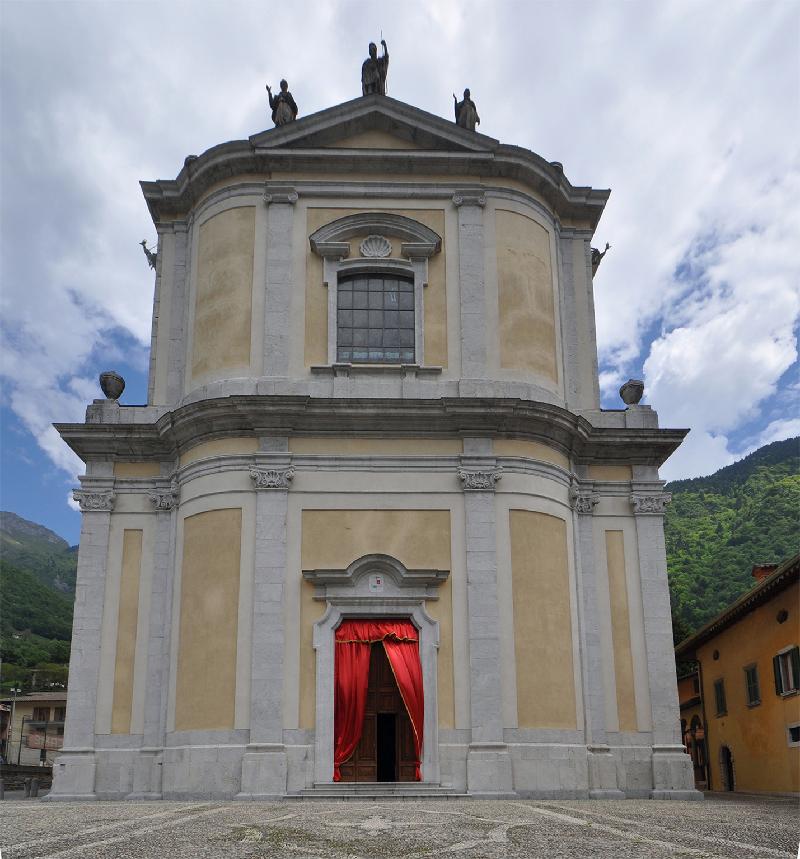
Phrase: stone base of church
(235, 770)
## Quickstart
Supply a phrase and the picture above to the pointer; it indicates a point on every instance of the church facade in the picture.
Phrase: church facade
(372, 525)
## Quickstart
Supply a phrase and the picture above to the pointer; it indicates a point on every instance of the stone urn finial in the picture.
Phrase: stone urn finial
(112, 384)
(631, 392)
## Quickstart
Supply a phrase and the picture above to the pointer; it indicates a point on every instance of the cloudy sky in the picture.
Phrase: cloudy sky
(688, 111)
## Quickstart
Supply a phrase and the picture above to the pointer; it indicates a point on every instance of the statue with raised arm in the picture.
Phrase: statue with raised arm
(283, 105)
(466, 112)
(597, 257)
(374, 69)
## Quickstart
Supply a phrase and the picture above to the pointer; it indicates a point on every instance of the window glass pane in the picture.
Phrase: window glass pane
(375, 319)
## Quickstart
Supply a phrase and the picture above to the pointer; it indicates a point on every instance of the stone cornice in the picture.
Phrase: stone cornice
(304, 146)
(446, 417)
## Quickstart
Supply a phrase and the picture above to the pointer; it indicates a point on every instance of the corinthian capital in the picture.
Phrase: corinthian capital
(272, 478)
(94, 500)
(652, 504)
(478, 481)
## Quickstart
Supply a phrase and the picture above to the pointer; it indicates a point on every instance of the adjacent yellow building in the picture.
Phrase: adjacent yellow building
(749, 666)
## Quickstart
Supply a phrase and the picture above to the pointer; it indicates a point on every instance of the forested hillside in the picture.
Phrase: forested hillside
(37, 584)
(718, 527)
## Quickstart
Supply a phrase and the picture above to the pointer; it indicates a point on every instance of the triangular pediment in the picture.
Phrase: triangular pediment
(374, 122)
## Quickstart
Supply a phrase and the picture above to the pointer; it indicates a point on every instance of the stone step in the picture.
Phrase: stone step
(378, 791)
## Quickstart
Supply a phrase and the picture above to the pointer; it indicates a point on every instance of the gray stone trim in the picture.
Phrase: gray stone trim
(151, 373)
(351, 595)
(245, 414)
(271, 478)
(279, 200)
(582, 496)
(479, 481)
(653, 505)
(179, 312)
(347, 370)
(75, 774)
(423, 239)
(472, 282)
(94, 500)
(165, 497)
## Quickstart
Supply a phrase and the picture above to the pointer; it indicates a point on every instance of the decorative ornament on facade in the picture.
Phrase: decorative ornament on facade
(655, 504)
(375, 247)
(112, 384)
(469, 198)
(97, 500)
(165, 499)
(283, 194)
(631, 392)
(152, 256)
(272, 478)
(477, 481)
(582, 500)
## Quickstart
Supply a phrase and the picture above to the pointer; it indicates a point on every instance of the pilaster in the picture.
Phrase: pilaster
(602, 769)
(672, 768)
(179, 313)
(264, 764)
(488, 761)
(74, 773)
(471, 277)
(147, 773)
(280, 202)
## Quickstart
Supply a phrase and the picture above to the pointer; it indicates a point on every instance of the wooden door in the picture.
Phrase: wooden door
(383, 697)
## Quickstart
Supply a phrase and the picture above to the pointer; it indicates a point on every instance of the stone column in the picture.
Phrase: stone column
(601, 764)
(471, 280)
(74, 773)
(488, 761)
(264, 764)
(673, 776)
(147, 772)
(277, 304)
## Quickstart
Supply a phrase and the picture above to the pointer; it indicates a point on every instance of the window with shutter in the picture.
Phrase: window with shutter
(719, 697)
(752, 689)
(787, 671)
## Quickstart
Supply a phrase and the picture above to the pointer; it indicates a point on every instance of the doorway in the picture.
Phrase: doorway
(386, 750)
(726, 763)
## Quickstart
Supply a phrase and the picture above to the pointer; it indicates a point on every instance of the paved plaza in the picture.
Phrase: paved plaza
(747, 827)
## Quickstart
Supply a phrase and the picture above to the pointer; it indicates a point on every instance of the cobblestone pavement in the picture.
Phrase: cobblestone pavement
(747, 827)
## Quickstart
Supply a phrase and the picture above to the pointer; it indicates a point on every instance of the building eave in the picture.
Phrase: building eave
(299, 147)
(785, 575)
(210, 419)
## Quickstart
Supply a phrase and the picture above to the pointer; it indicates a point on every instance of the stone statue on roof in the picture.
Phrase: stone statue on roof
(466, 112)
(597, 257)
(374, 69)
(283, 105)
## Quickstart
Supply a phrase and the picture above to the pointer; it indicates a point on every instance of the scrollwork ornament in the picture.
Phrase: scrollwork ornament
(94, 501)
(650, 504)
(583, 501)
(272, 478)
(469, 198)
(479, 481)
(165, 499)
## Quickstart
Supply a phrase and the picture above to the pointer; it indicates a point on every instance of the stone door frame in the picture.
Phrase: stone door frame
(351, 593)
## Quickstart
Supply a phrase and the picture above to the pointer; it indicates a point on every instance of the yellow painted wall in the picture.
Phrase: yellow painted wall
(609, 472)
(621, 631)
(756, 736)
(333, 539)
(529, 450)
(525, 292)
(209, 609)
(219, 447)
(542, 621)
(434, 296)
(137, 469)
(338, 446)
(224, 292)
(127, 619)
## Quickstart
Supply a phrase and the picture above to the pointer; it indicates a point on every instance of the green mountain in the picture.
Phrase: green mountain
(37, 585)
(35, 548)
(718, 527)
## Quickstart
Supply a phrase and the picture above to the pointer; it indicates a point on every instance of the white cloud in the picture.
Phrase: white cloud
(694, 139)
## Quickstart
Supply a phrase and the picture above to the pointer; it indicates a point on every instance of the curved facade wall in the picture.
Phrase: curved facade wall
(232, 522)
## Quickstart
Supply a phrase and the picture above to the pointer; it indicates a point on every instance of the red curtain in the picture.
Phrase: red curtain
(354, 640)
